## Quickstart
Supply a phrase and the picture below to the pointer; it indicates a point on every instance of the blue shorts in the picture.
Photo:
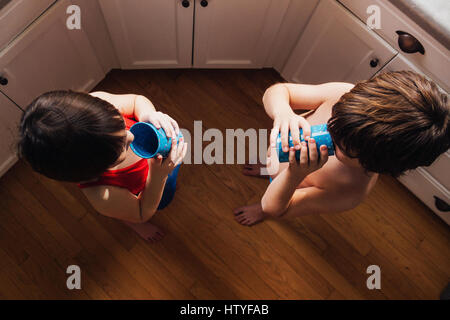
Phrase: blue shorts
(169, 188)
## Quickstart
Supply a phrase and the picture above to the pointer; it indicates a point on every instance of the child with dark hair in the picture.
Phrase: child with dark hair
(84, 138)
(389, 124)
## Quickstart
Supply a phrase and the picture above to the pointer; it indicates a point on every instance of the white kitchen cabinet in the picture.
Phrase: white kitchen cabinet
(336, 46)
(294, 22)
(150, 33)
(9, 123)
(436, 58)
(236, 33)
(48, 56)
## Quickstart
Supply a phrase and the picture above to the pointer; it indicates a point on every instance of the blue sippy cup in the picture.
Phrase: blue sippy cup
(149, 141)
(318, 132)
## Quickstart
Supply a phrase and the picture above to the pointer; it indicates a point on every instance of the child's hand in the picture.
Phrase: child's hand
(161, 120)
(164, 167)
(303, 167)
(285, 122)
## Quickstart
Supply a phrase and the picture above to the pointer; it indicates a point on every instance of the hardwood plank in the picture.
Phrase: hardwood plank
(146, 274)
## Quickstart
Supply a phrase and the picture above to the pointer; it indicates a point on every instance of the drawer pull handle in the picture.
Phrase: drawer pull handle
(441, 204)
(3, 81)
(185, 3)
(409, 43)
(204, 3)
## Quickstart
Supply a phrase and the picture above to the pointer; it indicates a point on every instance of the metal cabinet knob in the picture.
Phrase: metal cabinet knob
(409, 43)
(441, 205)
(185, 3)
(204, 3)
(374, 62)
(3, 81)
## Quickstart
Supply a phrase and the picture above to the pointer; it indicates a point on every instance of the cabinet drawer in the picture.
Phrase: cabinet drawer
(435, 62)
(16, 15)
(426, 188)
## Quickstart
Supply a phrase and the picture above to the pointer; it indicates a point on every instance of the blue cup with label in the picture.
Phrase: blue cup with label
(149, 141)
(318, 132)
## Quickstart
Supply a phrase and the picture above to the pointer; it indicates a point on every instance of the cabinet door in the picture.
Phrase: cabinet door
(336, 46)
(48, 56)
(235, 33)
(16, 15)
(150, 33)
(9, 129)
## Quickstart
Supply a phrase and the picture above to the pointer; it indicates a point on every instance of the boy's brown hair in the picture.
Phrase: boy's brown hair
(393, 122)
(70, 136)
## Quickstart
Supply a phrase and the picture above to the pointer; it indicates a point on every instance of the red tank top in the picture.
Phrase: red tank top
(132, 177)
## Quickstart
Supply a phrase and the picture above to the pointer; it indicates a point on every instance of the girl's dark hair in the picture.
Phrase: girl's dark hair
(71, 136)
(393, 122)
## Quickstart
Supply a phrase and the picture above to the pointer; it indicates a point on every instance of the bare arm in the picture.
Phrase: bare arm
(313, 200)
(282, 98)
(115, 202)
(279, 194)
(153, 191)
(140, 108)
(127, 104)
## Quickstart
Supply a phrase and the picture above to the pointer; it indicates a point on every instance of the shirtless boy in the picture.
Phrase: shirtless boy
(389, 124)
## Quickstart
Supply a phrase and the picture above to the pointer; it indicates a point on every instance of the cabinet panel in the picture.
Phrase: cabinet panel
(236, 33)
(150, 33)
(336, 46)
(9, 124)
(48, 56)
(17, 14)
(294, 22)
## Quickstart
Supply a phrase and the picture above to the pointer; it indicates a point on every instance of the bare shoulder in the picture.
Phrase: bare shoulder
(100, 94)
(311, 96)
(335, 90)
(354, 187)
(337, 177)
(125, 103)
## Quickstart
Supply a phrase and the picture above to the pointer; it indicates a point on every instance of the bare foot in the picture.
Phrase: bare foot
(249, 215)
(146, 230)
(254, 170)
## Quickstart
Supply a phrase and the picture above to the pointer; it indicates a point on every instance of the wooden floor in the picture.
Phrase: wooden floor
(46, 225)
